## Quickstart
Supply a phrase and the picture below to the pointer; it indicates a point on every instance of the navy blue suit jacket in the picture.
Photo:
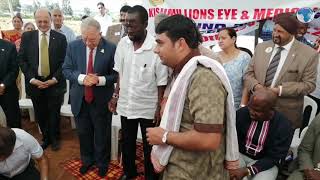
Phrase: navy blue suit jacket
(76, 63)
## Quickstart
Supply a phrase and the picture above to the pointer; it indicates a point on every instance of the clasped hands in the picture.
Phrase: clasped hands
(43, 84)
(91, 80)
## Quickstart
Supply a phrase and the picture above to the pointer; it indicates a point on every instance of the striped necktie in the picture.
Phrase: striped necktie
(273, 66)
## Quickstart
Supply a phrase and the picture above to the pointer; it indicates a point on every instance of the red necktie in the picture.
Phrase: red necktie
(88, 91)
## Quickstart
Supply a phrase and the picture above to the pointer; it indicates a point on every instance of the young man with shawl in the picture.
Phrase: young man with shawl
(197, 131)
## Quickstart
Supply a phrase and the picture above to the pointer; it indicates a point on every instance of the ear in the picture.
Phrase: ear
(181, 44)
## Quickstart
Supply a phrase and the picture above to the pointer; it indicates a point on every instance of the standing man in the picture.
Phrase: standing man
(142, 82)
(41, 57)
(88, 66)
(103, 18)
(191, 142)
(9, 94)
(58, 25)
(118, 31)
(286, 66)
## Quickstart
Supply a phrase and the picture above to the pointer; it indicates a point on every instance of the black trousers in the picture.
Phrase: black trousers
(30, 173)
(94, 130)
(47, 112)
(9, 102)
(129, 129)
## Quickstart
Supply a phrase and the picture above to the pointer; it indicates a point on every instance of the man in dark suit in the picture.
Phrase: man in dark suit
(41, 57)
(9, 94)
(89, 67)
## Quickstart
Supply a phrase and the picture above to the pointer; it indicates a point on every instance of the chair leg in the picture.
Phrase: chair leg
(73, 124)
(31, 114)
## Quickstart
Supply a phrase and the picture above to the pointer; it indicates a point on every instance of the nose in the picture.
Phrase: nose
(156, 50)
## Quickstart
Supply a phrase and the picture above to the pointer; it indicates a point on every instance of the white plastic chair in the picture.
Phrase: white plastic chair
(297, 136)
(26, 103)
(65, 109)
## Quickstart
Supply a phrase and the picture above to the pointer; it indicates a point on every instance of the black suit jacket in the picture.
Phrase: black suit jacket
(8, 65)
(28, 58)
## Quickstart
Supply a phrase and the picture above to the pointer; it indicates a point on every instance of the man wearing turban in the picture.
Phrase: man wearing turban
(286, 66)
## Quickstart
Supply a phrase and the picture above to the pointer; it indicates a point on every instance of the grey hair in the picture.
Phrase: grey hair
(158, 18)
(89, 21)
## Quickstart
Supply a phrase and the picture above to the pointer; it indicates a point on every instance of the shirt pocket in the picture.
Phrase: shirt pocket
(145, 74)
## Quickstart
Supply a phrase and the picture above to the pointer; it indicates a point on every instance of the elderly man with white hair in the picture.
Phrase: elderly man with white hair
(89, 67)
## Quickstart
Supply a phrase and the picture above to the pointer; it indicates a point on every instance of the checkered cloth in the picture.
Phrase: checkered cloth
(114, 171)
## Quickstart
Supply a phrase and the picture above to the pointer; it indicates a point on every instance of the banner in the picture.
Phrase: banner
(212, 15)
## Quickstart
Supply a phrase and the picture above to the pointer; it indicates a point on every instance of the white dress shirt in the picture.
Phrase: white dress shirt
(102, 79)
(104, 21)
(284, 54)
(25, 147)
(140, 72)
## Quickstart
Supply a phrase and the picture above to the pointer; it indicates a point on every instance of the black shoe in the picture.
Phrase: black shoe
(102, 171)
(84, 169)
(55, 146)
(45, 144)
(125, 177)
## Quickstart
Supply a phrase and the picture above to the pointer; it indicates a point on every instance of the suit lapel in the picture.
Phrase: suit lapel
(36, 50)
(83, 57)
(288, 61)
(52, 41)
(267, 52)
(99, 55)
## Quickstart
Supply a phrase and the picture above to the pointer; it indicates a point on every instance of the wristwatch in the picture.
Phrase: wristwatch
(164, 137)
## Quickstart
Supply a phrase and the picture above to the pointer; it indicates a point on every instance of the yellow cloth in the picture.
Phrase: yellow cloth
(45, 67)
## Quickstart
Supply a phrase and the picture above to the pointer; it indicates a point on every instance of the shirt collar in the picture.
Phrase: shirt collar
(147, 44)
(287, 46)
(47, 33)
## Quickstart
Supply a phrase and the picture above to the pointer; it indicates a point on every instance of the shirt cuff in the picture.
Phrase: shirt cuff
(55, 79)
(102, 81)
(81, 78)
(31, 80)
(280, 91)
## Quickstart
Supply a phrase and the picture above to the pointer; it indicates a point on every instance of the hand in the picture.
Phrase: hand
(91, 79)
(157, 117)
(275, 90)
(238, 174)
(39, 84)
(112, 104)
(2, 90)
(154, 135)
(258, 86)
(311, 174)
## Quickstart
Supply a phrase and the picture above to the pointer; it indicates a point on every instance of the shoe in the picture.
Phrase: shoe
(45, 144)
(125, 177)
(55, 146)
(102, 172)
(84, 169)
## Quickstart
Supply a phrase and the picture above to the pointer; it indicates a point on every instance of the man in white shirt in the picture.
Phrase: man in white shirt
(142, 80)
(103, 18)
(58, 25)
(17, 148)
(286, 66)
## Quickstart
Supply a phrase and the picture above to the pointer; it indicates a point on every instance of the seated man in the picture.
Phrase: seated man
(264, 137)
(16, 149)
(308, 154)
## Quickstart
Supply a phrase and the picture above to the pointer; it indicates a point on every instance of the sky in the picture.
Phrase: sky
(79, 5)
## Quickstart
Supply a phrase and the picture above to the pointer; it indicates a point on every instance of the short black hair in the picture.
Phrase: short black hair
(125, 8)
(84, 17)
(100, 3)
(7, 141)
(179, 26)
(143, 13)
